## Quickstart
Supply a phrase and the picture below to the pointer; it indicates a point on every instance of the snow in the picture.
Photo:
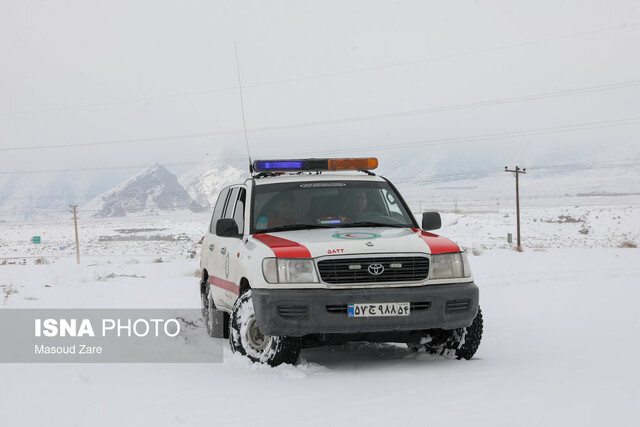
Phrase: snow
(559, 344)
(204, 181)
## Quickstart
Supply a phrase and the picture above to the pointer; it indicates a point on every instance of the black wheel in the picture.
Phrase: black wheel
(461, 343)
(471, 337)
(245, 337)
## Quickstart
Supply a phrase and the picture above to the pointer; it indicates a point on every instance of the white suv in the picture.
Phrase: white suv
(304, 254)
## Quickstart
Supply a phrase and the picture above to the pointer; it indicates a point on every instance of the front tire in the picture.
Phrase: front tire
(460, 343)
(245, 337)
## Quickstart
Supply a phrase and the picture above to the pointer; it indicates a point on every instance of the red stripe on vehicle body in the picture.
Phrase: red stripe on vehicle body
(437, 244)
(225, 284)
(283, 248)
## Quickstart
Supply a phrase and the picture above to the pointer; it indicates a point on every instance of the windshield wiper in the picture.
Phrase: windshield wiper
(292, 227)
(372, 224)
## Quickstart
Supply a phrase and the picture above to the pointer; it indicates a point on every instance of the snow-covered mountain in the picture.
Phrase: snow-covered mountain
(153, 190)
(204, 181)
(45, 196)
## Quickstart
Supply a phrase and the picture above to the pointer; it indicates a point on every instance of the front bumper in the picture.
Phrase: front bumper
(298, 312)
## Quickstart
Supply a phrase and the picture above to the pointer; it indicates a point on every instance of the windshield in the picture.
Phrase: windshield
(327, 204)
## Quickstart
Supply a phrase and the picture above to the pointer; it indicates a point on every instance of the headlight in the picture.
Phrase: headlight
(289, 270)
(465, 265)
(450, 266)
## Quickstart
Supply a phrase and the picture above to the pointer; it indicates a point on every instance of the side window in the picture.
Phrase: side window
(217, 211)
(238, 214)
(228, 210)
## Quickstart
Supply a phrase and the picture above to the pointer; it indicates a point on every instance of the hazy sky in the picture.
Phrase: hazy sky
(87, 72)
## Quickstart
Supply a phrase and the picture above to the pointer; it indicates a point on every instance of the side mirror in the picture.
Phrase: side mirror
(431, 221)
(227, 227)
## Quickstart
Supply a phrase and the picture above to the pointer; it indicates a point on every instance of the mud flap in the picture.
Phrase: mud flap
(219, 324)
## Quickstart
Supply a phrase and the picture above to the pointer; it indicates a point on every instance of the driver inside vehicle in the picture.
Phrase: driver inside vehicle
(357, 205)
(283, 212)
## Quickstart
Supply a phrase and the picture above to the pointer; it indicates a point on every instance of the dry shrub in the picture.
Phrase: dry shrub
(7, 291)
(627, 244)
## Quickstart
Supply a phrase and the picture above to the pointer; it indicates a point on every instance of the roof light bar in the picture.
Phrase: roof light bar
(358, 164)
(313, 165)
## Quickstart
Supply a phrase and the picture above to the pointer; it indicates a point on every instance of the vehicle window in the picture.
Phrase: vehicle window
(228, 210)
(217, 211)
(327, 204)
(238, 214)
(391, 202)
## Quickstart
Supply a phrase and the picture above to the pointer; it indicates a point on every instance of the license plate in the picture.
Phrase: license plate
(379, 309)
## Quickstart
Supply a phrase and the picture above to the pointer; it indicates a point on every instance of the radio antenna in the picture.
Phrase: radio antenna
(244, 121)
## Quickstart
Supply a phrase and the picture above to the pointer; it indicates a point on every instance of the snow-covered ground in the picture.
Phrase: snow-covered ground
(559, 345)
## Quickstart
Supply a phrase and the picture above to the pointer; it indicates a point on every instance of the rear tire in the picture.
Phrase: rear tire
(204, 293)
(204, 305)
(246, 338)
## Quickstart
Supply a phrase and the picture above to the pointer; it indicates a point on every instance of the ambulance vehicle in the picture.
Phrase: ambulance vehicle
(314, 252)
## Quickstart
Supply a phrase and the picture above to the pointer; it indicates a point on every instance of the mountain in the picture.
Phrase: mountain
(155, 189)
(47, 196)
(204, 182)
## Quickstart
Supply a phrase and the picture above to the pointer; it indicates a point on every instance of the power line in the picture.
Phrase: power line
(87, 196)
(229, 160)
(457, 107)
(328, 75)
(123, 141)
(435, 179)
(445, 177)
(34, 211)
(499, 101)
(455, 55)
(440, 178)
(442, 141)
(501, 135)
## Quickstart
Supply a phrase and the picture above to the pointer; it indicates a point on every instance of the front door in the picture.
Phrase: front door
(229, 280)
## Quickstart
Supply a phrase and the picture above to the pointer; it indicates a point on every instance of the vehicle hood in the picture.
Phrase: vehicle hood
(360, 240)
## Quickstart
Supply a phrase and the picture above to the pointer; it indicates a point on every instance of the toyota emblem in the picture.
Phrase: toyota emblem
(376, 269)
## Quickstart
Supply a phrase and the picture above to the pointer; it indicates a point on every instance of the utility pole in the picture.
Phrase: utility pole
(517, 171)
(75, 225)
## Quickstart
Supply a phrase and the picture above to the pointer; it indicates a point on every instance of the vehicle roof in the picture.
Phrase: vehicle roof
(325, 176)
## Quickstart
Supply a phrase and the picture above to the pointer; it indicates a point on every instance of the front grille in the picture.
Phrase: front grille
(458, 305)
(356, 270)
(342, 308)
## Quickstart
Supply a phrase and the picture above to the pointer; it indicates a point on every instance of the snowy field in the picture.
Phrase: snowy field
(559, 347)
